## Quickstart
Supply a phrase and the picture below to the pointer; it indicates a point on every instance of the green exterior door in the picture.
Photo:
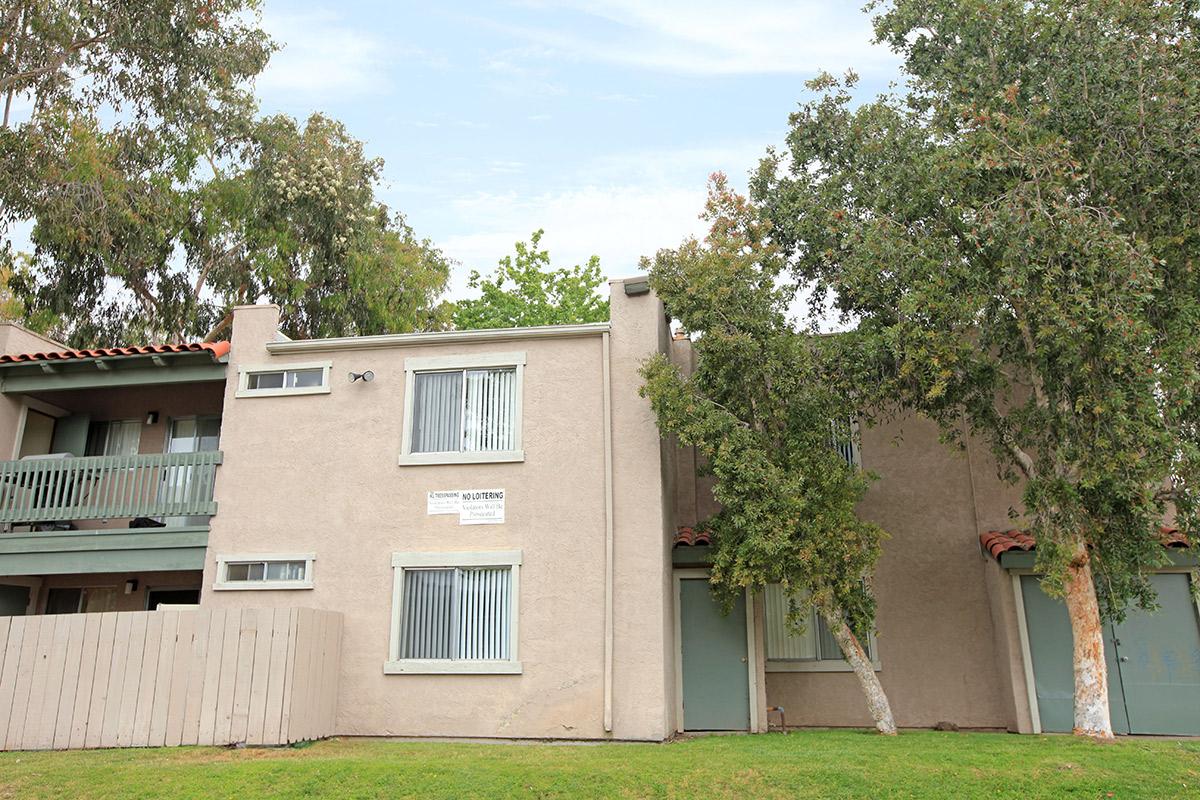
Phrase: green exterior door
(1153, 661)
(1159, 655)
(13, 600)
(716, 683)
(1049, 629)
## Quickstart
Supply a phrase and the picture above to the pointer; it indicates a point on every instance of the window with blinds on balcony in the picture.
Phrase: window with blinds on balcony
(464, 411)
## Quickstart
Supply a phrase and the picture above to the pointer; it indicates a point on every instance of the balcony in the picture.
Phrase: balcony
(48, 490)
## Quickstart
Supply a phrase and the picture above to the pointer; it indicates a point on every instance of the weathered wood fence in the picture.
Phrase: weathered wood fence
(163, 678)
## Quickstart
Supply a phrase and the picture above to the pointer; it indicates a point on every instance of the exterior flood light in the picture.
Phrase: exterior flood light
(365, 377)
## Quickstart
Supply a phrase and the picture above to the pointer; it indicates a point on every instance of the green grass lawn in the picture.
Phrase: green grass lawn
(824, 764)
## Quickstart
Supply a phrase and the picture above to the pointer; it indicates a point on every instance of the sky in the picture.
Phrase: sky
(597, 121)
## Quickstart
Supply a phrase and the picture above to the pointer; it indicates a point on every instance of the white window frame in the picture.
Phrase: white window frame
(222, 584)
(421, 666)
(446, 363)
(839, 664)
(246, 370)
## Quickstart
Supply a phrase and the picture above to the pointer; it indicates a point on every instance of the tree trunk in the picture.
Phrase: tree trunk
(1091, 673)
(877, 702)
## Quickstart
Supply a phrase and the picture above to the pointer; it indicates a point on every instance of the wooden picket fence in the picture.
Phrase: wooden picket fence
(164, 678)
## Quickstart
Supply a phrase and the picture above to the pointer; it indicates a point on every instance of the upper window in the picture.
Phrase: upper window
(454, 612)
(813, 650)
(843, 437)
(292, 379)
(463, 409)
(265, 572)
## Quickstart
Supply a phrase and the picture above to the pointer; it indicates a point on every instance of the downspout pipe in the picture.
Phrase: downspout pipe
(608, 536)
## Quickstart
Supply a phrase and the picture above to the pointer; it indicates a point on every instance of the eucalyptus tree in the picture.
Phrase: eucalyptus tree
(763, 408)
(130, 139)
(1015, 237)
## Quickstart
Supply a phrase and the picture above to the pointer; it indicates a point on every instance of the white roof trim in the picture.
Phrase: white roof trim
(437, 337)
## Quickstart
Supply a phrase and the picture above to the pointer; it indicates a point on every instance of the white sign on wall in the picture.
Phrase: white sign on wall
(443, 502)
(481, 507)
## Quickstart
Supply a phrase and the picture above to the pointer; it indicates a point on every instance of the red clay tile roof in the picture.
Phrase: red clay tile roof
(690, 537)
(217, 349)
(999, 542)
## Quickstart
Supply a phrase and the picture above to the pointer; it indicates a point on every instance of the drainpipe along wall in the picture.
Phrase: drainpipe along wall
(608, 536)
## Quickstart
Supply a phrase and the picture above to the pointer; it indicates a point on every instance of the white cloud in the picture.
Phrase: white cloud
(513, 72)
(322, 56)
(714, 37)
(620, 207)
(675, 166)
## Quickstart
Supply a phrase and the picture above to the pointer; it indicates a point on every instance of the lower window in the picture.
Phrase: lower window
(814, 650)
(89, 599)
(454, 612)
(293, 571)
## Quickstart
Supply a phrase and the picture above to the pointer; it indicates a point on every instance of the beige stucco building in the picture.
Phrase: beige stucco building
(509, 540)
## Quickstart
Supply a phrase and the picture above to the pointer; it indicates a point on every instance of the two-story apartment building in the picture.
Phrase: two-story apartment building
(515, 550)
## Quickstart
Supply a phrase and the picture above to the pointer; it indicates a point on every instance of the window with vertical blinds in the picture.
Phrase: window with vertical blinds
(464, 411)
(461, 614)
(843, 435)
(816, 643)
(455, 612)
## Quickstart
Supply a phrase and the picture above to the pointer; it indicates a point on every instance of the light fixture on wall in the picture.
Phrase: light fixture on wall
(152, 418)
(131, 586)
(365, 377)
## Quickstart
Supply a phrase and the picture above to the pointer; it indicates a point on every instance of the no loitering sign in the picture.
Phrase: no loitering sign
(473, 506)
(481, 507)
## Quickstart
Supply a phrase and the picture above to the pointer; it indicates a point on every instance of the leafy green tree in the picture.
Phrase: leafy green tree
(1016, 238)
(159, 200)
(761, 409)
(525, 290)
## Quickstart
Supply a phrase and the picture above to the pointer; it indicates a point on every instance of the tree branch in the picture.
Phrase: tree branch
(224, 323)
(1023, 459)
(11, 24)
(54, 64)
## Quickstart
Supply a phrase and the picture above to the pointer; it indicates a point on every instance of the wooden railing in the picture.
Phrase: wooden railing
(107, 487)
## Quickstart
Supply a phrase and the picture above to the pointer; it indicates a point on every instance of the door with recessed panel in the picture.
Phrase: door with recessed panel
(716, 680)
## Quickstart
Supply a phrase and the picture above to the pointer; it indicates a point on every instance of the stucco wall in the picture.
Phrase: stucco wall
(15, 339)
(644, 669)
(319, 473)
(936, 640)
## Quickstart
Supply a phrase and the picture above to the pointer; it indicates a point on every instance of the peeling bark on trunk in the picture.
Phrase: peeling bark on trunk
(877, 702)
(1091, 673)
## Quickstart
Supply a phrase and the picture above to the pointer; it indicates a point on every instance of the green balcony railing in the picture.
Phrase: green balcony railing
(108, 487)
